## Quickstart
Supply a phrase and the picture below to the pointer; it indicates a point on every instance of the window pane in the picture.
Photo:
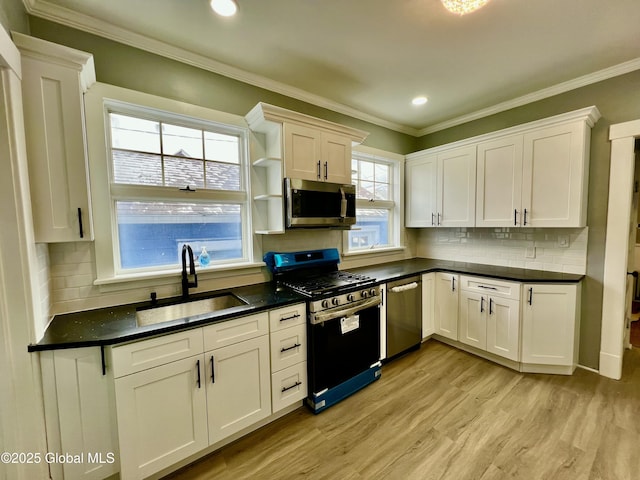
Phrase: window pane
(181, 141)
(132, 133)
(366, 190)
(220, 147)
(382, 191)
(136, 168)
(382, 173)
(222, 176)
(152, 233)
(373, 229)
(180, 172)
(366, 170)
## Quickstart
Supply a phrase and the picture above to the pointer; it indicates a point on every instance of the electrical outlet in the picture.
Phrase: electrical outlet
(530, 252)
(563, 241)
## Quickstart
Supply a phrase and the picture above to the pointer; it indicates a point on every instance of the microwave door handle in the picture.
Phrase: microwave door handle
(343, 204)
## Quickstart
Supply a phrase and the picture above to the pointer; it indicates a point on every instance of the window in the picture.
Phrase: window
(377, 200)
(174, 179)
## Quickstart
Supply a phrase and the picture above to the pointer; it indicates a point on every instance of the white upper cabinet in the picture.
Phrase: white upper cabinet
(311, 148)
(499, 183)
(556, 176)
(54, 81)
(531, 175)
(441, 189)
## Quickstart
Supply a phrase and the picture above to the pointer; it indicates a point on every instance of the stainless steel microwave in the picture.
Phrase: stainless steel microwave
(311, 204)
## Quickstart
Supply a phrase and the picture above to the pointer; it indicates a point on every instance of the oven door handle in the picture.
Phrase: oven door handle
(340, 312)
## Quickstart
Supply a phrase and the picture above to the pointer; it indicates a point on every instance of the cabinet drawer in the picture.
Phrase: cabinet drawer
(138, 356)
(286, 317)
(288, 347)
(289, 386)
(236, 330)
(490, 286)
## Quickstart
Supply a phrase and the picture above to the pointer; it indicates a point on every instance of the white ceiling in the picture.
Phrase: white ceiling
(368, 58)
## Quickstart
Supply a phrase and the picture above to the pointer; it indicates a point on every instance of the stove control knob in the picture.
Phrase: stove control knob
(335, 301)
(350, 297)
(372, 292)
(325, 303)
(364, 294)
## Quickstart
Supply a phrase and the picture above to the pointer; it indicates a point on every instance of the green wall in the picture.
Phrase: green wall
(128, 67)
(13, 16)
(618, 100)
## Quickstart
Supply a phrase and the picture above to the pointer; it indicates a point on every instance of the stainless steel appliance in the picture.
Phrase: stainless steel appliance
(404, 315)
(343, 327)
(311, 204)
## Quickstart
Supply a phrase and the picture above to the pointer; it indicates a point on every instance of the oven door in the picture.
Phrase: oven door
(345, 343)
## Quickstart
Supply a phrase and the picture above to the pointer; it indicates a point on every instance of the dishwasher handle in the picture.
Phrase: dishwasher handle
(404, 288)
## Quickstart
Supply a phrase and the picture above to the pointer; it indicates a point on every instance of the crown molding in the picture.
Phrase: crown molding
(595, 77)
(103, 29)
(70, 18)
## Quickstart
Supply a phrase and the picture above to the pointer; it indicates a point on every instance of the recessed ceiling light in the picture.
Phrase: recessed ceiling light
(419, 100)
(225, 8)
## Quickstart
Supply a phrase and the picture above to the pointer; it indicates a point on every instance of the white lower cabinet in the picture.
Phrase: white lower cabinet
(490, 321)
(428, 304)
(238, 387)
(161, 416)
(80, 413)
(176, 394)
(288, 327)
(446, 304)
(550, 324)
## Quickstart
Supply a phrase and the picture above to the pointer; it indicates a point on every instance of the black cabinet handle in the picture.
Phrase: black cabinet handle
(326, 170)
(481, 304)
(290, 348)
(284, 389)
(295, 315)
(439, 222)
(453, 284)
(198, 369)
(490, 306)
(213, 374)
(433, 222)
(102, 359)
(515, 217)
(525, 216)
(530, 296)
(319, 177)
(80, 222)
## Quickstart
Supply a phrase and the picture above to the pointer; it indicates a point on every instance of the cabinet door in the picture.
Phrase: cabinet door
(336, 158)
(549, 324)
(86, 412)
(161, 416)
(302, 149)
(503, 327)
(446, 305)
(428, 304)
(472, 324)
(421, 182)
(238, 387)
(499, 183)
(457, 187)
(555, 176)
(54, 122)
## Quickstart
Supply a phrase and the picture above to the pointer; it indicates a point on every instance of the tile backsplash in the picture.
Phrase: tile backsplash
(556, 249)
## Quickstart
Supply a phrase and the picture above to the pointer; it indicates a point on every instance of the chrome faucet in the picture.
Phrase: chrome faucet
(186, 284)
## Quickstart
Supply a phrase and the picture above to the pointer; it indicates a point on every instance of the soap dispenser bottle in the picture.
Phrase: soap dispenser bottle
(204, 259)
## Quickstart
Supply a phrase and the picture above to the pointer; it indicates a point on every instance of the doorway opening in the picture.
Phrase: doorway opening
(633, 296)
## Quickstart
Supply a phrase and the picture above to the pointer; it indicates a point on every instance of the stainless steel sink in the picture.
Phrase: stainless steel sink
(178, 311)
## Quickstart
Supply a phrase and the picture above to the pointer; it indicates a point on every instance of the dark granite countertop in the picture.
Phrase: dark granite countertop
(386, 272)
(112, 325)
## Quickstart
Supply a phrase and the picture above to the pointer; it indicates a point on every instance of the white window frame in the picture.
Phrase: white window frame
(395, 205)
(103, 99)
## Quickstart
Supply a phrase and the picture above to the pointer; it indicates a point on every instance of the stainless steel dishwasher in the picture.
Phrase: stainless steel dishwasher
(404, 315)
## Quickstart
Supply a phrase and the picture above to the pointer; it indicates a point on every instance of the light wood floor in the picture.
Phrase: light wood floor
(440, 413)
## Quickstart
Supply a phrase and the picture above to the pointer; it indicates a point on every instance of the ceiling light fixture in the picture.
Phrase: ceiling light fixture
(419, 100)
(461, 7)
(225, 8)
